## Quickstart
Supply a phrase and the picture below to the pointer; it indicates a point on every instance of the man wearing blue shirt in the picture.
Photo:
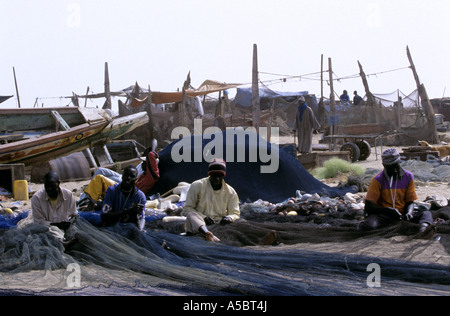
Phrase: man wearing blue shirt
(123, 202)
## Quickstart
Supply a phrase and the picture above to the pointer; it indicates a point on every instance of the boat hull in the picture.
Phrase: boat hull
(58, 144)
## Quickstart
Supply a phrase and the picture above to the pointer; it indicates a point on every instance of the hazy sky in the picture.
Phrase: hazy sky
(61, 46)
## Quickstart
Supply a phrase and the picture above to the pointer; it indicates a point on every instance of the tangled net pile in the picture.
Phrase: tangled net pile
(124, 260)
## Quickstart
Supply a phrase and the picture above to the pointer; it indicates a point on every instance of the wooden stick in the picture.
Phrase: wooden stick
(17, 88)
(167, 193)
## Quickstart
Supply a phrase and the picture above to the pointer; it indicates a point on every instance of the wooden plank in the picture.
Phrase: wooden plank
(60, 121)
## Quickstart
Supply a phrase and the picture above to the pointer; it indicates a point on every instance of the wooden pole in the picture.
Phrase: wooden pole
(370, 97)
(256, 109)
(269, 128)
(372, 115)
(107, 104)
(151, 124)
(322, 114)
(85, 100)
(17, 87)
(426, 104)
(332, 99)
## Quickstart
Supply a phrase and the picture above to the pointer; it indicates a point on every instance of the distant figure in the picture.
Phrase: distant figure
(356, 99)
(345, 98)
(305, 124)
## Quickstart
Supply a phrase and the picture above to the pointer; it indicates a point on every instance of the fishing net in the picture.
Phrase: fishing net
(122, 260)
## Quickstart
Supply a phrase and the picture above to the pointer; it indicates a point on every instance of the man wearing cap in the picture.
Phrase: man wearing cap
(210, 201)
(391, 195)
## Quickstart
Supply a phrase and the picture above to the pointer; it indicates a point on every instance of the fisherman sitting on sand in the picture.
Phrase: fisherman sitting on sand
(55, 207)
(209, 201)
(124, 202)
(391, 195)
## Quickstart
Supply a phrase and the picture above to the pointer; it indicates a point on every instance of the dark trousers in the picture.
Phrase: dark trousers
(374, 221)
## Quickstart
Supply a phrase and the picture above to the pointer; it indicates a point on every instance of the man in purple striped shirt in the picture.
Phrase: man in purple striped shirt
(391, 195)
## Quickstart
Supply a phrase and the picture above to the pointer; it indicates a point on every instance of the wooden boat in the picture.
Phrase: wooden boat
(40, 134)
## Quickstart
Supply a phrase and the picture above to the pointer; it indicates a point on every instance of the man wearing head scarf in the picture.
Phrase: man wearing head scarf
(305, 124)
(210, 201)
(391, 195)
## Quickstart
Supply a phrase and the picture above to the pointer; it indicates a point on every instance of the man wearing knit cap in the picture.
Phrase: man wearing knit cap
(210, 201)
(391, 195)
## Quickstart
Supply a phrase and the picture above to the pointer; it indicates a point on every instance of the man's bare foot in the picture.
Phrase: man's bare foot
(270, 239)
(210, 237)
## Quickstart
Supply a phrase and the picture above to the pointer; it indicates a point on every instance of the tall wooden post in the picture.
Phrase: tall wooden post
(17, 87)
(321, 105)
(107, 104)
(425, 101)
(256, 109)
(85, 100)
(372, 113)
(369, 95)
(149, 111)
(332, 99)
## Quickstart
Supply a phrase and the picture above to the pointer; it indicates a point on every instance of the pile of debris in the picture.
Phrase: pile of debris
(307, 208)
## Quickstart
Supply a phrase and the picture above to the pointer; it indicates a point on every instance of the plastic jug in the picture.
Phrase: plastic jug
(21, 190)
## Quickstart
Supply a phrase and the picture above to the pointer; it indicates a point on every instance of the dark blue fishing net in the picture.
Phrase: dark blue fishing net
(122, 257)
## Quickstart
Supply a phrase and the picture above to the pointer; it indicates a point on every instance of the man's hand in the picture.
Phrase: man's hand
(209, 221)
(409, 212)
(134, 210)
(226, 220)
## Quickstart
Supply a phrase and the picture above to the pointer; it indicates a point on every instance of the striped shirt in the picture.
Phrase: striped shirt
(383, 193)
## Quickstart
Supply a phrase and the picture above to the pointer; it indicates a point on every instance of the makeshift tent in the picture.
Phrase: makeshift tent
(243, 96)
(389, 99)
(244, 176)
(207, 87)
(286, 101)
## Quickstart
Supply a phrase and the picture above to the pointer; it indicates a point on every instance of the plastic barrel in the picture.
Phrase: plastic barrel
(21, 190)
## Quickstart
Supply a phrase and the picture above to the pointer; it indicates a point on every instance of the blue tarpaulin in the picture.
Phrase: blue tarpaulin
(244, 95)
